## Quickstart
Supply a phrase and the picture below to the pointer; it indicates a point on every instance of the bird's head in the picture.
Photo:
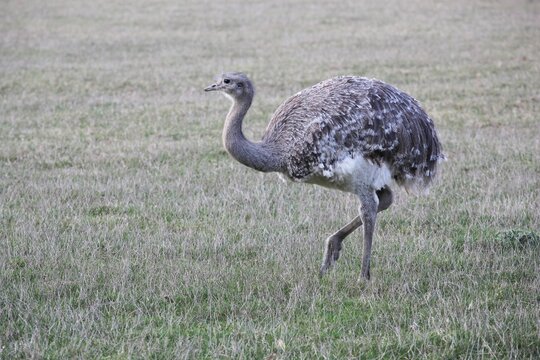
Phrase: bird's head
(234, 85)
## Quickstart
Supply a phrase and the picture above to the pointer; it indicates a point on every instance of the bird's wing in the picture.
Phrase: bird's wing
(408, 133)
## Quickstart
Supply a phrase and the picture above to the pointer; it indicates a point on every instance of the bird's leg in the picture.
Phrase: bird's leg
(333, 243)
(368, 213)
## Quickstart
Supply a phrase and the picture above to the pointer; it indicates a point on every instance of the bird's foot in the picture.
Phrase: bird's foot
(365, 276)
(331, 254)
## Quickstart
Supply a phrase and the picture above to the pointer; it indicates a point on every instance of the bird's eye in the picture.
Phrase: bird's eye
(240, 84)
(226, 81)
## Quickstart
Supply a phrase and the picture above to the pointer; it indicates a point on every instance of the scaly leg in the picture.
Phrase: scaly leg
(368, 212)
(333, 243)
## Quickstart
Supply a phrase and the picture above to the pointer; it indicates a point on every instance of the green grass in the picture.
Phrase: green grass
(126, 231)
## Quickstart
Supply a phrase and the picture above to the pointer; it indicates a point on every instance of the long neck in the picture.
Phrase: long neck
(259, 156)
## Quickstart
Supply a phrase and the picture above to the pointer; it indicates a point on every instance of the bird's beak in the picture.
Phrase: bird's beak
(212, 87)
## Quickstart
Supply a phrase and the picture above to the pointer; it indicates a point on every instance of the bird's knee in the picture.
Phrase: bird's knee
(385, 198)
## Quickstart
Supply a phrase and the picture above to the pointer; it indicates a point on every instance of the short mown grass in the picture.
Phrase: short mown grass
(126, 230)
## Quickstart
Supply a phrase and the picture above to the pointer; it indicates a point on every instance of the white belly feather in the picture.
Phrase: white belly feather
(351, 174)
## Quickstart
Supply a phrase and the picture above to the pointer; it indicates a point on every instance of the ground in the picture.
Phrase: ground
(127, 232)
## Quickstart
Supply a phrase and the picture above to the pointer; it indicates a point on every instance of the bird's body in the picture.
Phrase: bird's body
(350, 133)
(350, 123)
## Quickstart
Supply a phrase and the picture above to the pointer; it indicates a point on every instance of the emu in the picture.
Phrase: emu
(348, 133)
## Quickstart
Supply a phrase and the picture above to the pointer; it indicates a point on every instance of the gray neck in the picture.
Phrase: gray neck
(259, 156)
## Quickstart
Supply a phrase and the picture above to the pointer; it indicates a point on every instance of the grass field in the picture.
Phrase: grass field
(126, 231)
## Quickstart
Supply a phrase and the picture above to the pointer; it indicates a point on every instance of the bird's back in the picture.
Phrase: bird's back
(353, 117)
